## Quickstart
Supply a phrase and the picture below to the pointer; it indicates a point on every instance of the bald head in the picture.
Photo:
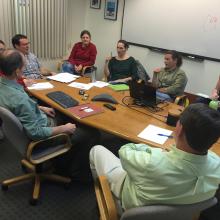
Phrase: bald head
(10, 61)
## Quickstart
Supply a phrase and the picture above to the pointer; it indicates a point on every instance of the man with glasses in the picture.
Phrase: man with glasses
(33, 69)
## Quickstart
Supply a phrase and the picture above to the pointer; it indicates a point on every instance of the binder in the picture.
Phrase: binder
(85, 110)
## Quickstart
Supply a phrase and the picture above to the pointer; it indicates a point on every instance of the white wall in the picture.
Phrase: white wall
(105, 33)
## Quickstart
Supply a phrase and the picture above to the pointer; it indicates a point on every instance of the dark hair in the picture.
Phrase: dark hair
(85, 32)
(16, 39)
(10, 60)
(175, 56)
(201, 126)
(126, 45)
(2, 42)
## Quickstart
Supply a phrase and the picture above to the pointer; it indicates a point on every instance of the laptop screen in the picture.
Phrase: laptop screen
(144, 94)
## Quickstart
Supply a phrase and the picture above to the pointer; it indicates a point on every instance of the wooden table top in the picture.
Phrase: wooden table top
(126, 122)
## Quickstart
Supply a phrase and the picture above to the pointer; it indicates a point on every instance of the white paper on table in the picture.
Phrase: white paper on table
(151, 133)
(81, 85)
(100, 84)
(39, 86)
(63, 77)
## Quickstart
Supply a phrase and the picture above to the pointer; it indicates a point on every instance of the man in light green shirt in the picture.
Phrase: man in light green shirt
(186, 174)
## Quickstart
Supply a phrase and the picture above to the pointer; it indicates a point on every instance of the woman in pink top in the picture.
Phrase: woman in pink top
(82, 54)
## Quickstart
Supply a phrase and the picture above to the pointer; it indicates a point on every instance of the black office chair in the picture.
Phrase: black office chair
(141, 72)
(35, 153)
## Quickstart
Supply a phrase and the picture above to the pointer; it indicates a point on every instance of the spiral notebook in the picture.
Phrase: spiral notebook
(85, 110)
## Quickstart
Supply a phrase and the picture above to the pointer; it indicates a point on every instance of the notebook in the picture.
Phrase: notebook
(85, 110)
(119, 87)
(143, 94)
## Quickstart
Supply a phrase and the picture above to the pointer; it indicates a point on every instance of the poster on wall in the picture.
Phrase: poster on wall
(95, 4)
(111, 9)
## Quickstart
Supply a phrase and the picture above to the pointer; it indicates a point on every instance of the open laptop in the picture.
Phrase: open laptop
(143, 94)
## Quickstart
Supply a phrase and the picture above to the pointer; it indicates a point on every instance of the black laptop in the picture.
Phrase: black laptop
(144, 94)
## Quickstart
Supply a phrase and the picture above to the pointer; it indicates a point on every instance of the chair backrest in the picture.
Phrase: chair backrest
(167, 212)
(141, 72)
(13, 130)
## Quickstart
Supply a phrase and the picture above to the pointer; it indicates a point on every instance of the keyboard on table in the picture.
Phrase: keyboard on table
(62, 99)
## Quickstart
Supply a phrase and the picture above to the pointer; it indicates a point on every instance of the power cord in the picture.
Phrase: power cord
(131, 106)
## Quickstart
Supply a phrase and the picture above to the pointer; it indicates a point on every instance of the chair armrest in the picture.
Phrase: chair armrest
(84, 69)
(43, 150)
(106, 204)
(182, 100)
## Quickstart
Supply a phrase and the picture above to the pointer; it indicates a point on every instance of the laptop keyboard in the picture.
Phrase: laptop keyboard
(62, 99)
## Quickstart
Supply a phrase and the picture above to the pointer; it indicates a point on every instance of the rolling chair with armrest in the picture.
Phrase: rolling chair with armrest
(108, 211)
(35, 153)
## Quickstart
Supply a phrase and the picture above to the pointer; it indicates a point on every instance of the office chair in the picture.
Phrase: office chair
(141, 72)
(86, 71)
(182, 100)
(35, 153)
(108, 210)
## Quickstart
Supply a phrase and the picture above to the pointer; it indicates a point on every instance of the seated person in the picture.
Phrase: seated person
(121, 68)
(2, 46)
(214, 96)
(188, 173)
(24, 82)
(215, 92)
(40, 122)
(170, 80)
(33, 69)
(83, 54)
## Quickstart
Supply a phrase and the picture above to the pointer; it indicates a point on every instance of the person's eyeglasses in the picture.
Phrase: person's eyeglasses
(25, 44)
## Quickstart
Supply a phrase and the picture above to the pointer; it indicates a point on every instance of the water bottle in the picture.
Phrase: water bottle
(93, 74)
(214, 104)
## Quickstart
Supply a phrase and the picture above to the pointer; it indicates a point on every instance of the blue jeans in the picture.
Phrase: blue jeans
(163, 96)
(68, 68)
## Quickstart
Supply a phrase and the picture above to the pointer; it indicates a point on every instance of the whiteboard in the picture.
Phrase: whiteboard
(188, 26)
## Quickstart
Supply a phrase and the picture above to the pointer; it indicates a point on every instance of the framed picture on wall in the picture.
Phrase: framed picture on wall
(95, 4)
(111, 9)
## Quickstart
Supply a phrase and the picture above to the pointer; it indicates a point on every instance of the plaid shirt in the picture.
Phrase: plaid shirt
(32, 68)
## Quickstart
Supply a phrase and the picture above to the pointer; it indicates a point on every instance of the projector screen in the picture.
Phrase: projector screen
(188, 26)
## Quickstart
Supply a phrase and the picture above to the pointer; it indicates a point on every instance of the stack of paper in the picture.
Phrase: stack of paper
(155, 134)
(39, 86)
(63, 77)
(83, 86)
(100, 84)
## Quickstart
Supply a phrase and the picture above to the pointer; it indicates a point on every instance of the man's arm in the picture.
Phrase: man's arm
(178, 85)
(106, 68)
(215, 91)
(137, 158)
(46, 72)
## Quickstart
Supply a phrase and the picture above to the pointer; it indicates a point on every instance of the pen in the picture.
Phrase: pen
(83, 108)
(164, 135)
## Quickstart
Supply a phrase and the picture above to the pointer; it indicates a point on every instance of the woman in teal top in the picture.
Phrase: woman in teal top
(123, 67)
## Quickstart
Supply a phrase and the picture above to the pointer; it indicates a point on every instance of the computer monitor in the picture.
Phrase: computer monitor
(143, 94)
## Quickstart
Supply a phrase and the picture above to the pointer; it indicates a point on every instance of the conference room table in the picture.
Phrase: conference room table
(125, 122)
